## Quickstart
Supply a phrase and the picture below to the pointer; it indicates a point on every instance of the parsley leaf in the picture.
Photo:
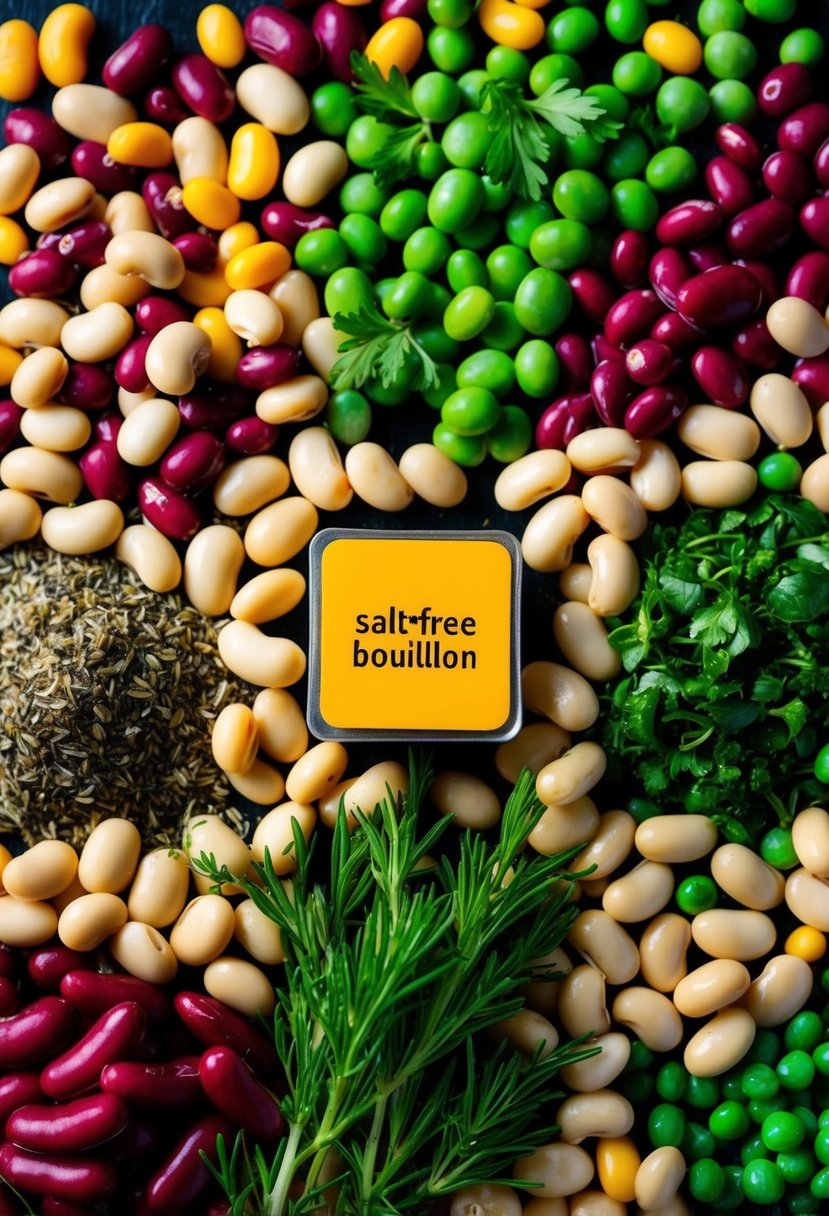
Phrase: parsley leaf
(378, 96)
(377, 348)
(571, 113)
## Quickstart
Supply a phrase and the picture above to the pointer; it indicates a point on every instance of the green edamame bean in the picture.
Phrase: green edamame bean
(346, 290)
(465, 269)
(543, 301)
(364, 238)
(321, 252)
(636, 74)
(497, 195)
(403, 214)
(506, 267)
(466, 450)
(436, 96)
(333, 108)
(682, 103)
(361, 194)
(489, 369)
(634, 205)
(573, 30)
(504, 331)
(426, 250)
(510, 438)
(802, 46)
(410, 297)
(729, 55)
(580, 195)
(672, 168)
(550, 68)
(561, 244)
(732, 101)
(470, 411)
(366, 137)
(348, 416)
(466, 140)
(522, 219)
(536, 368)
(625, 157)
(430, 161)
(434, 339)
(507, 63)
(626, 20)
(468, 313)
(450, 50)
(454, 200)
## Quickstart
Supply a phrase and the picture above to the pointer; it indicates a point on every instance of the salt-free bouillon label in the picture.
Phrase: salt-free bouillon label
(414, 634)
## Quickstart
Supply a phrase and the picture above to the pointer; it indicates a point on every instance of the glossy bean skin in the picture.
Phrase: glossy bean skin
(172, 1083)
(339, 31)
(84, 1180)
(18, 1089)
(33, 1034)
(234, 1090)
(663, 948)
(640, 894)
(720, 1043)
(39, 131)
(93, 993)
(203, 87)
(282, 40)
(726, 295)
(183, 1175)
(131, 67)
(119, 1030)
(46, 967)
(70, 1128)
(215, 1025)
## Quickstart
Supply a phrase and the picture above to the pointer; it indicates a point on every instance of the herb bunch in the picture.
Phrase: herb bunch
(391, 971)
(376, 348)
(725, 697)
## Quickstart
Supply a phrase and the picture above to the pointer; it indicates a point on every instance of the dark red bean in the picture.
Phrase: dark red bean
(163, 104)
(563, 419)
(765, 276)
(611, 390)
(674, 331)
(761, 229)
(194, 462)
(61, 1207)
(338, 31)
(183, 1176)
(106, 429)
(138, 1139)
(47, 965)
(706, 257)
(10, 415)
(137, 60)
(35, 1033)
(402, 8)
(783, 89)
(286, 223)
(171, 513)
(162, 194)
(603, 349)
(805, 129)
(812, 377)
(251, 436)
(689, 222)
(18, 1089)
(654, 410)
(649, 362)
(42, 273)
(234, 1091)
(809, 279)
(726, 295)
(27, 125)
(592, 293)
(105, 473)
(729, 185)
(753, 344)
(80, 1179)
(172, 1083)
(84, 244)
(130, 371)
(631, 316)
(262, 367)
(821, 165)
(8, 957)
(214, 408)
(739, 145)
(71, 1127)
(814, 220)
(154, 313)
(722, 377)
(87, 386)
(91, 161)
(282, 40)
(8, 997)
(116, 1033)
(629, 259)
(576, 362)
(198, 249)
(787, 175)
(215, 1025)
(668, 270)
(203, 87)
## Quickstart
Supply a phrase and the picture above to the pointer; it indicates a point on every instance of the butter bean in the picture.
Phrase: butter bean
(719, 434)
(89, 111)
(148, 431)
(257, 320)
(268, 596)
(110, 856)
(247, 485)
(487, 1200)
(210, 835)
(316, 772)
(20, 517)
(298, 301)
(640, 894)
(87, 528)
(159, 888)
(273, 98)
(563, 827)
(43, 871)
(533, 747)
(603, 942)
(807, 896)
(203, 930)
(262, 783)
(782, 410)
(376, 478)
(723, 933)
(433, 476)
(530, 478)
(103, 286)
(597, 1072)
(609, 847)
(294, 400)
(527, 1031)
(19, 171)
(257, 934)
(676, 838)
(614, 507)
(321, 345)
(574, 582)
(589, 1203)
(280, 531)
(151, 556)
(572, 775)
(607, 449)
(614, 582)
(720, 1043)
(240, 985)
(40, 376)
(658, 1178)
(542, 991)
(275, 834)
(469, 799)
(280, 723)
(147, 255)
(251, 655)
(59, 203)
(28, 322)
(199, 150)
(313, 171)
(601, 1113)
(747, 878)
(651, 1017)
(798, 327)
(235, 739)
(582, 1002)
(127, 212)
(779, 991)
(822, 422)
(212, 563)
(549, 537)
(561, 1169)
(366, 792)
(814, 484)
(26, 923)
(711, 987)
(142, 951)
(810, 837)
(40, 474)
(317, 469)
(718, 483)
(560, 694)
(97, 335)
(656, 478)
(176, 357)
(65, 898)
(89, 920)
(56, 428)
(582, 640)
(663, 949)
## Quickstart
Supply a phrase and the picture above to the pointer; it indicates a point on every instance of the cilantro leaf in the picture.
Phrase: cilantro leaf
(384, 98)
(681, 594)
(571, 113)
(800, 596)
(377, 348)
(395, 159)
(794, 714)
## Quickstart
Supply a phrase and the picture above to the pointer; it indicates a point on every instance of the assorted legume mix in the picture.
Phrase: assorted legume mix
(587, 243)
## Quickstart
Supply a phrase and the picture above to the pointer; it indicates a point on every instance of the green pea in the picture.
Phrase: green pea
(819, 1185)
(636, 74)
(666, 1125)
(713, 16)
(497, 195)
(470, 411)
(820, 1056)
(634, 205)
(706, 1180)
(796, 1070)
(809, 1120)
(550, 68)
(403, 214)
(731, 1087)
(782, 1132)
(821, 764)
(346, 290)
(765, 1049)
(466, 139)
(506, 266)
(759, 1081)
(804, 1031)
(543, 302)
(625, 157)
(508, 64)
(489, 369)
(821, 1145)
(362, 195)
(479, 233)
(697, 1142)
(581, 151)
(763, 1183)
(434, 339)
(348, 416)
(682, 103)
(450, 50)
(753, 1149)
(470, 85)
(321, 252)
(436, 96)
(536, 368)
(465, 269)
(796, 1166)
(426, 250)
(695, 894)
(780, 471)
(561, 244)
(410, 297)
(522, 219)
(366, 137)
(637, 1087)
(728, 1121)
(455, 200)
(671, 1081)
(469, 313)
(729, 55)
(573, 30)
(672, 168)
(504, 331)
(773, 11)
(364, 238)
(802, 46)
(450, 13)
(614, 103)
(511, 436)
(732, 101)
(626, 20)
(466, 450)
(732, 1198)
(333, 108)
(430, 161)
(436, 394)
(580, 195)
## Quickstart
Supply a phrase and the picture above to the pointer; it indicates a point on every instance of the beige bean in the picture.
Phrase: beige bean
(597, 1072)
(433, 476)
(240, 985)
(582, 1002)
(376, 478)
(255, 317)
(530, 478)
(604, 1112)
(366, 792)
(656, 479)
(58, 203)
(469, 799)
(542, 991)
(127, 212)
(582, 640)
(549, 537)
(26, 923)
(748, 879)
(603, 942)
(533, 747)
(199, 150)
(658, 1178)
(210, 835)
(90, 919)
(711, 987)
(110, 856)
(798, 327)
(676, 838)
(574, 582)
(275, 834)
(251, 655)
(268, 596)
(560, 694)
(87, 528)
(262, 783)
(720, 1043)
(313, 171)
(280, 531)
(56, 428)
(724, 933)
(129, 402)
(651, 1016)
(142, 951)
(44, 870)
(248, 485)
(614, 575)
(90, 111)
(41, 374)
(718, 483)
(147, 255)
(73, 891)
(102, 286)
(781, 989)
(810, 837)
(19, 171)
(273, 98)
(316, 772)
(528, 1032)
(151, 555)
(317, 469)
(203, 930)
(563, 827)
(822, 423)
(590, 1203)
(29, 322)
(607, 449)
(717, 433)
(321, 345)
(782, 410)
(235, 739)
(296, 295)
(97, 335)
(212, 563)
(663, 949)
(280, 722)
(159, 889)
(148, 431)
(814, 484)
(639, 894)
(614, 507)
(176, 357)
(561, 1169)
(294, 400)
(572, 775)
(257, 934)
(41, 474)
(485, 1199)
(20, 517)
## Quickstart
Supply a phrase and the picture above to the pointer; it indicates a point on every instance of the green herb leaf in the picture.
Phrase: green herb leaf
(378, 348)
(801, 596)
(384, 98)
(572, 113)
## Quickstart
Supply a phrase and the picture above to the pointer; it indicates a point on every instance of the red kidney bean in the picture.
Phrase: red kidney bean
(162, 194)
(136, 1140)
(193, 463)
(593, 294)
(84, 244)
(814, 220)
(805, 129)
(214, 408)
(729, 185)
(602, 349)
(286, 223)
(42, 273)
(61, 1207)
(154, 313)
(563, 419)
(105, 473)
(654, 410)
(87, 386)
(173, 1083)
(694, 220)
(821, 165)
(91, 161)
(809, 279)
(629, 259)
(753, 344)
(706, 257)
(739, 145)
(576, 362)
(787, 175)
(10, 415)
(203, 87)
(262, 367)
(667, 271)
(338, 31)
(674, 331)
(631, 316)
(171, 513)
(18, 1089)
(130, 371)
(35, 1032)
(106, 429)
(198, 249)
(71, 1127)
(234, 1091)
(726, 295)
(812, 377)
(137, 60)
(27, 125)
(80, 1178)
(114, 1034)
(402, 8)
(49, 964)
(282, 40)
(163, 104)
(183, 1175)
(721, 376)
(783, 89)
(765, 276)
(611, 390)
(251, 436)
(8, 996)
(8, 958)
(649, 362)
(215, 1025)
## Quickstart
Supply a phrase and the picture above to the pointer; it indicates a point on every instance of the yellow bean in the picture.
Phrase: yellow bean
(262, 783)
(212, 563)
(64, 38)
(151, 556)
(25, 924)
(225, 346)
(211, 203)
(110, 856)
(159, 889)
(511, 25)
(257, 266)
(143, 952)
(283, 734)
(203, 930)
(221, 36)
(13, 241)
(313, 774)
(90, 919)
(268, 596)
(254, 162)
(42, 872)
(19, 64)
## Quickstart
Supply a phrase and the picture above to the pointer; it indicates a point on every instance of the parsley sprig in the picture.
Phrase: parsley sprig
(389, 101)
(378, 349)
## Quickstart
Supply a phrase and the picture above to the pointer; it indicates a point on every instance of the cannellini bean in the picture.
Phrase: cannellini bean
(268, 596)
(240, 985)
(718, 483)
(365, 792)
(614, 575)
(152, 557)
(748, 879)
(296, 295)
(640, 894)
(317, 469)
(600, 1113)
(275, 834)
(432, 475)
(280, 531)
(485, 1199)
(711, 987)
(676, 838)
(597, 1072)
(102, 286)
(210, 835)
(719, 434)
(199, 150)
(582, 1002)
(574, 582)
(262, 783)
(90, 111)
(97, 335)
(203, 930)
(142, 951)
(533, 747)
(56, 428)
(563, 827)
(273, 98)
(247, 485)
(110, 856)
(321, 345)
(255, 317)
(542, 991)
(723, 933)
(651, 1016)
(40, 474)
(268, 662)
(530, 478)
(561, 1169)
(663, 949)
(582, 640)
(814, 484)
(822, 423)
(607, 449)
(782, 410)
(40, 376)
(258, 934)
(549, 537)
(466, 797)
(316, 772)
(26, 923)
(147, 432)
(720, 1043)
(614, 507)
(28, 322)
(798, 327)
(560, 694)
(376, 478)
(147, 255)
(313, 171)
(20, 516)
(779, 991)
(603, 942)
(810, 837)
(610, 846)
(572, 775)
(656, 478)
(159, 889)
(528, 1032)
(127, 212)
(90, 919)
(280, 722)
(658, 1178)
(235, 739)
(88, 528)
(587, 1203)
(58, 203)
(212, 563)
(176, 357)
(43, 871)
